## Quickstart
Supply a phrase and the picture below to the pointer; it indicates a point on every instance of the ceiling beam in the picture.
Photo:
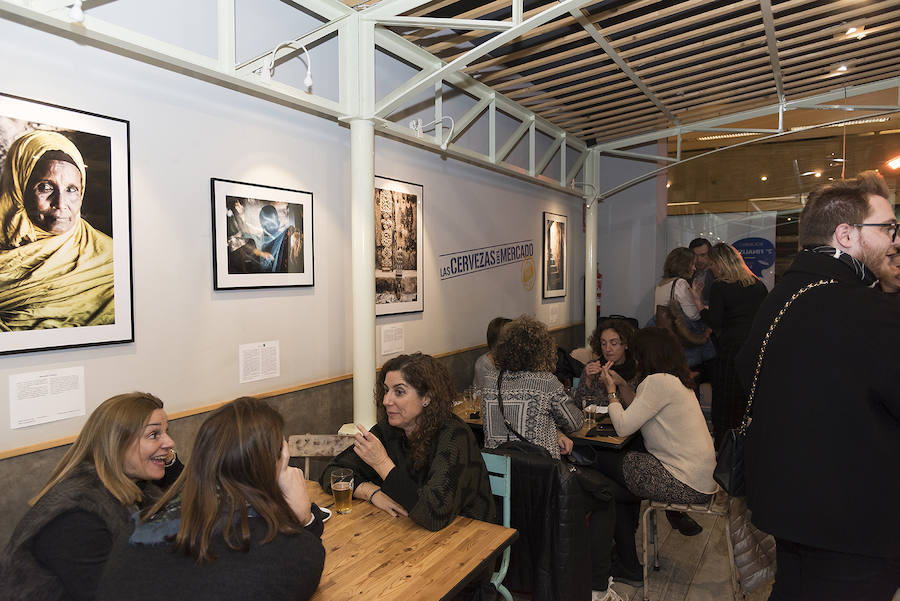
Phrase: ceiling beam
(772, 44)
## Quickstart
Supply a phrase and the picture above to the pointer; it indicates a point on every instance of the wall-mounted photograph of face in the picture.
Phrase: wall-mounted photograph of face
(65, 250)
(398, 234)
(262, 236)
(554, 255)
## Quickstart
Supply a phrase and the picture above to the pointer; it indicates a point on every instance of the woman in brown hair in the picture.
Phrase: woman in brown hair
(59, 548)
(678, 462)
(419, 460)
(237, 524)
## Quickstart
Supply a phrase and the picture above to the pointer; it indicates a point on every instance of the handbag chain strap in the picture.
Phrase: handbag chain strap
(762, 350)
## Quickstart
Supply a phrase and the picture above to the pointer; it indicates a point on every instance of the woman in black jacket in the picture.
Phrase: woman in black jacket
(60, 546)
(733, 301)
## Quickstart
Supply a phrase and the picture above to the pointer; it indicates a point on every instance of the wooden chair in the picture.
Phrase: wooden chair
(316, 445)
(498, 468)
(710, 508)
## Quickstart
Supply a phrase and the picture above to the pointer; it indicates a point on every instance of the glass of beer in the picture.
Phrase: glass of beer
(589, 408)
(342, 489)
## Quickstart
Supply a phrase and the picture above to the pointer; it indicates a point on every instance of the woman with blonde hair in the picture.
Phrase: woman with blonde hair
(236, 525)
(60, 547)
(733, 301)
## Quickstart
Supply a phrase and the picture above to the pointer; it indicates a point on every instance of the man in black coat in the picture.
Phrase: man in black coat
(823, 449)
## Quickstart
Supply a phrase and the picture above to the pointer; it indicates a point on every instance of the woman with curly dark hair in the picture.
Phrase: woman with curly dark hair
(419, 460)
(610, 341)
(534, 401)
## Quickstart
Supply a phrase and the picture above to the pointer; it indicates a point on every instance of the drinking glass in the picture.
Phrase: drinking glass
(589, 405)
(342, 489)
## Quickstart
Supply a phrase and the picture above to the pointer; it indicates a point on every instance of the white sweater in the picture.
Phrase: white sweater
(669, 417)
(682, 295)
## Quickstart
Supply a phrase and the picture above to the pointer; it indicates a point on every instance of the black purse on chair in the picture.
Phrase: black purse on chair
(729, 472)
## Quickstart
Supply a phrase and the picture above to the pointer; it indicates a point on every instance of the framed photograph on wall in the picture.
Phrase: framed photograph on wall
(555, 277)
(65, 244)
(262, 236)
(398, 239)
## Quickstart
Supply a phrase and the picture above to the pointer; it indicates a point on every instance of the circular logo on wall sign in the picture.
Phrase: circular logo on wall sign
(528, 273)
(758, 253)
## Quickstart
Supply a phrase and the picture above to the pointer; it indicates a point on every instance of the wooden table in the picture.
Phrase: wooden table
(372, 556)
(610, 442)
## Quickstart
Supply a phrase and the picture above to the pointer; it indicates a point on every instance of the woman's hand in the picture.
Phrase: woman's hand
(293, 486)
(616, 378)
(697, 294)
(606, 376)
(369, 449)
(565, 443)
(387, 504)
(592, 369)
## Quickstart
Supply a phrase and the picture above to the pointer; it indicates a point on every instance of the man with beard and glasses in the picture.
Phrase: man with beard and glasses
(823, 447)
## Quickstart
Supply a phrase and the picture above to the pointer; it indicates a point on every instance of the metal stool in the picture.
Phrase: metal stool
(710, 508)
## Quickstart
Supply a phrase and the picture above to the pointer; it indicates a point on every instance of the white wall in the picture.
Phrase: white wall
(631, 238)
(183, 132)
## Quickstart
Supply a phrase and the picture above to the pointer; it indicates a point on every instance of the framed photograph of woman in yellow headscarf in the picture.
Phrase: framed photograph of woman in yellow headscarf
(65, 228)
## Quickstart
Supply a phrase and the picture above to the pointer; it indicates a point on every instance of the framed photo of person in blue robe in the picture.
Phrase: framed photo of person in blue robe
(262, 236)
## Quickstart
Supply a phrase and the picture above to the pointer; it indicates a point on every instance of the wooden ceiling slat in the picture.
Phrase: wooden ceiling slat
(697, 72)
(618, 43)
(607, 14)
(460, 42)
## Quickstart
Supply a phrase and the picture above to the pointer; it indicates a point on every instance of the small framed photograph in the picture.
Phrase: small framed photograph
(262, 236)
(65, 244)
(555, 282)
(398, 239)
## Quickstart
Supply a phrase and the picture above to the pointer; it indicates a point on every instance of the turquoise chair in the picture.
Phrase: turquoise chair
(501, 486)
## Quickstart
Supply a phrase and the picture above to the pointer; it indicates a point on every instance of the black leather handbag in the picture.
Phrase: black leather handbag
(729, 472)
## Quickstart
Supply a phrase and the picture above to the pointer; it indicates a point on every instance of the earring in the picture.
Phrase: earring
(425, 404)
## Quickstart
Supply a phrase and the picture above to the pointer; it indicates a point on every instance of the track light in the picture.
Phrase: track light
(76, 13)
(268, 69)
(420, 128)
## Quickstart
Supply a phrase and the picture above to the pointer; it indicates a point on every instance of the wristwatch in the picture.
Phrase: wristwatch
(612, 395)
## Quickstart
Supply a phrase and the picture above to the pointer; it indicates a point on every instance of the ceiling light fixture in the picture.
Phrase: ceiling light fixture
(894, 163)
(681, 204)
(76, 13)
(764, 178)
(854, 122)
(268, 68)
(725, 136)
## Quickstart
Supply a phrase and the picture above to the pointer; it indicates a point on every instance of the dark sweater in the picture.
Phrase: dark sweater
(58, 549)
(146, 569)
(732, 307)
(453, 482)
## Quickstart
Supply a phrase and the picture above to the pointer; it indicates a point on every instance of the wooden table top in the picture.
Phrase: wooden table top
(611, 442)
(373, 556)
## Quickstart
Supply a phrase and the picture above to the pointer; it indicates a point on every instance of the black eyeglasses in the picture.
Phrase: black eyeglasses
(893, 227)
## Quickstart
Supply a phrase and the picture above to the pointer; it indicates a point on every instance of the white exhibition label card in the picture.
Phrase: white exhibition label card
(392, 339)
(39, 397)
(259, 361)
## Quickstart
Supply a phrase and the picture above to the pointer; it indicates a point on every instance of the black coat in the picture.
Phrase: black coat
(823, 449)
(551, 558)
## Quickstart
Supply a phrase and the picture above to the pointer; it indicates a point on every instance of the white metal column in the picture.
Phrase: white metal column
(362, 260)
(592, 181)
